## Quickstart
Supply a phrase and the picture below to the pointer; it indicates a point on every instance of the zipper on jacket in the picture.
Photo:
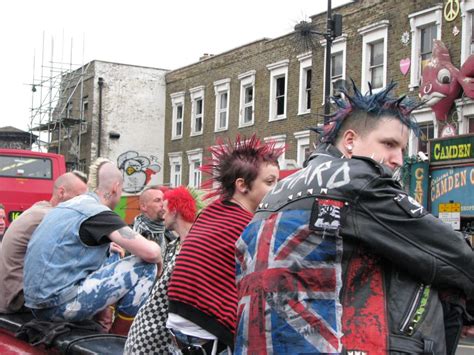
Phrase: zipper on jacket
(416, 310)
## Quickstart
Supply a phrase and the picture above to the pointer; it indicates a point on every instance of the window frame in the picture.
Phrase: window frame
(467, 22)
(175, 158)
(194, 155)
(247, 80)
(302, 139)
(372, 34)
(419, 20)
(177, 99)
(339, 45)
(221, 87)
(197, 94)
(422, 115)
(280, 142)
(278, 70)
(306, 63)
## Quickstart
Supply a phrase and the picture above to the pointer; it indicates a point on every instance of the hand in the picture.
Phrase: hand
(467, 331)
(115, 248)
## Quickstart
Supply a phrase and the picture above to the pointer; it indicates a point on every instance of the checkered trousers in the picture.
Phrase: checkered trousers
(148, 333)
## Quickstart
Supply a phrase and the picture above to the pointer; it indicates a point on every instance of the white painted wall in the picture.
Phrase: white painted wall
(133, 105)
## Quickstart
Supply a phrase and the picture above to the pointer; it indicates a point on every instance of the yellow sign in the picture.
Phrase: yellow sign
(450, 207)
(459, 151)
(451, 10)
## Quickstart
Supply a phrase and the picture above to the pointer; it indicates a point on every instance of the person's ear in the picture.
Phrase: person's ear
(241, 186)
(347, 142)
(61, 192)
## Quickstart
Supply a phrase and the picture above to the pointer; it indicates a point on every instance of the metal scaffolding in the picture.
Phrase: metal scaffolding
(57, 104)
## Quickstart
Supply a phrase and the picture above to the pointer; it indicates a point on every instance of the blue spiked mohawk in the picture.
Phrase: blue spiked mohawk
(374, 105)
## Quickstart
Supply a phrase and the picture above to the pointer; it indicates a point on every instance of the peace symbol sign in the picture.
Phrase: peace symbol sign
(451, 10)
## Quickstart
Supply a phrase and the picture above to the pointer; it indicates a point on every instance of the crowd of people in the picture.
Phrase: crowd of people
(336, 258)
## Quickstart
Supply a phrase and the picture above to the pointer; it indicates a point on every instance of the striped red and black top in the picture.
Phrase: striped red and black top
(202, 287)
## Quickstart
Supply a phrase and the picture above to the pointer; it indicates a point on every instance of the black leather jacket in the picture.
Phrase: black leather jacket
(395, 254)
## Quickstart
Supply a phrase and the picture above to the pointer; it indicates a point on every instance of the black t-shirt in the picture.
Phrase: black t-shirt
(95, 230)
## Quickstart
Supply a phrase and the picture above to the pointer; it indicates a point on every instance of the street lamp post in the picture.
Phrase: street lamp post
(327, 79)
(333, 30)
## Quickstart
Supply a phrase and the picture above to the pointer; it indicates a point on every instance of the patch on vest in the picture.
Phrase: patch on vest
(356, 352)
(411, 206)
(326, 215)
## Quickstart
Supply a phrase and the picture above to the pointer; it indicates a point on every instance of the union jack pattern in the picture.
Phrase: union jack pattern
(288, 280)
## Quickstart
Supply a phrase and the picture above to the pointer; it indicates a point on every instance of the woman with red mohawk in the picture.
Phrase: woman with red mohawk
(202, 292)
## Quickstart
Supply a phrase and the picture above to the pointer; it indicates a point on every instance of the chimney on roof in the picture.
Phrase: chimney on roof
(205, 56)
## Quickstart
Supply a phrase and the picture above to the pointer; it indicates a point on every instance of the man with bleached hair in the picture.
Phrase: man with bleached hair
(70, 277)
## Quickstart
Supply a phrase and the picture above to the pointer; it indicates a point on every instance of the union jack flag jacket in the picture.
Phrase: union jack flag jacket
(338, 259)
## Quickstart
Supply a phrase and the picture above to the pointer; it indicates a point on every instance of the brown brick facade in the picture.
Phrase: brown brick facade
(257, 55)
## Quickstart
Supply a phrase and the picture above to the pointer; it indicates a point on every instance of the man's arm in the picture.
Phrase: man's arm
(132, 241)
(394, 227)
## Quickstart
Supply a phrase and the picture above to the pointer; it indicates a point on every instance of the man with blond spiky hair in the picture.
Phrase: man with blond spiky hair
(70, 277)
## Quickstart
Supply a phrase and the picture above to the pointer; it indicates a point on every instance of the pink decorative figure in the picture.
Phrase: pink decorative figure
(440, 86)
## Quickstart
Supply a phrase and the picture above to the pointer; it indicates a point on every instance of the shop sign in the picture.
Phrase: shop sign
(419, 183)
(451, 213)
(459, 148)
(452, 184)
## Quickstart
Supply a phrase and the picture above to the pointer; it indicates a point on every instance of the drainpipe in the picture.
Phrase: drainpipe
(101, 85)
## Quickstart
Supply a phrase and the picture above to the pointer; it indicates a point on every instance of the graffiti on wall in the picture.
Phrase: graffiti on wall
(137, 170)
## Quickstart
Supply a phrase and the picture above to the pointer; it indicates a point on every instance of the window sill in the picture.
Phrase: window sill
(243, 125)
(304, 113)
(283, 117)
(221, 129)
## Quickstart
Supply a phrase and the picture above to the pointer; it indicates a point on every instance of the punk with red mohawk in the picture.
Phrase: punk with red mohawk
(202, 293)
(240, 159)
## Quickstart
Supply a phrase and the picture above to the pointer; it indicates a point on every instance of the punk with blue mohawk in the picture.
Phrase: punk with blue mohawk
(352, 109)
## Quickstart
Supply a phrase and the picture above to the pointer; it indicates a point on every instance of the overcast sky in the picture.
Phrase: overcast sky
(159, 33)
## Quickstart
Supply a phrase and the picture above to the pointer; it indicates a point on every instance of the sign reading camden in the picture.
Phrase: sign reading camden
(452, 149)
(454, 184)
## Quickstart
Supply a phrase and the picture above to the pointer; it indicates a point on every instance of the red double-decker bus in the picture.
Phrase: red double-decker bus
(27, 177)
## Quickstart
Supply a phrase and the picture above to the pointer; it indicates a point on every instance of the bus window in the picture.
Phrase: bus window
(27, 167)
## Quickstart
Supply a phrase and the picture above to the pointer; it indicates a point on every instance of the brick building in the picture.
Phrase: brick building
(274, 87)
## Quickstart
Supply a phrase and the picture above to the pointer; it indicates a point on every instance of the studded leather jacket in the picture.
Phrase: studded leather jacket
(345, 261)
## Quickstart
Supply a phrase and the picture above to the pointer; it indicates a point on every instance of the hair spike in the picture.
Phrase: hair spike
(183, 202)
(93, 181)
(239, 159)
(375, 105)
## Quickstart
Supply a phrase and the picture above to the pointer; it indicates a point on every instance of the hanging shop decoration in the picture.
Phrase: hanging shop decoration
(442, 82)
(451, 10)
(405, 65)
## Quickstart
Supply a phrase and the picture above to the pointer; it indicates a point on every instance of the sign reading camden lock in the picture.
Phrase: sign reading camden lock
(456, 148)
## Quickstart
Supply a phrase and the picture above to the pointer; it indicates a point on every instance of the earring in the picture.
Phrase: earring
(349, 148)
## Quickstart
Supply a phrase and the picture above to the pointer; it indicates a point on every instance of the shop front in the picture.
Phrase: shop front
(450, 194)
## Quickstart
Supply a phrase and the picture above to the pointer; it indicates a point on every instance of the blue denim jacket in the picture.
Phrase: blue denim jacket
(56, 259)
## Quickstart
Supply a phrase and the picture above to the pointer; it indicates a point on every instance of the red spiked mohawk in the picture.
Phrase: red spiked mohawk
(239, 159)
(182, 201)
